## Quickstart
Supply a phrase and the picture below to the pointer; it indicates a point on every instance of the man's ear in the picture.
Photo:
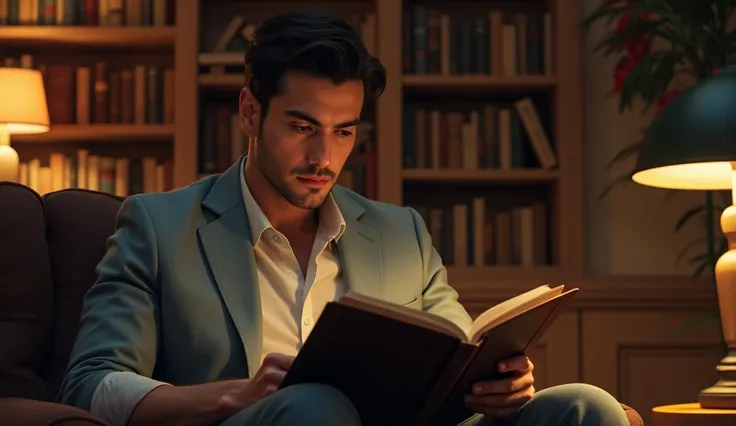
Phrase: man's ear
(250, 113)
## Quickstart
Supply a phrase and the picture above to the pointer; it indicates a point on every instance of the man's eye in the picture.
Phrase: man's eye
(302, 129)
(345, 133)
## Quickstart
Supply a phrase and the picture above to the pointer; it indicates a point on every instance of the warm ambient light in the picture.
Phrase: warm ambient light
(23, 110)
(692, 145)
(716, 175)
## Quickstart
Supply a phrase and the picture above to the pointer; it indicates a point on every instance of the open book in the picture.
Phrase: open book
(404, 366)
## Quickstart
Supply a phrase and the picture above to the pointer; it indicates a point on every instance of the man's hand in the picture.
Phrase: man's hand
(265, 382)
(501, 399)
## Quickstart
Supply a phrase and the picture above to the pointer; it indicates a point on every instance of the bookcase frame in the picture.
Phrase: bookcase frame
(566, 220)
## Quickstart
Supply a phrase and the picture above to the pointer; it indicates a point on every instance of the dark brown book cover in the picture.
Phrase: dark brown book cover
(116, 99)
(61, 93)
(127, 93)
(396, 371)
(101, 94)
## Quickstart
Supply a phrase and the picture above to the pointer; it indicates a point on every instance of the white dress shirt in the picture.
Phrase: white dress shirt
(291, 302)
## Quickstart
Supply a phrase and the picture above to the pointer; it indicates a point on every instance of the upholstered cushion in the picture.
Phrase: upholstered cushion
(26, 293)
(78, 224)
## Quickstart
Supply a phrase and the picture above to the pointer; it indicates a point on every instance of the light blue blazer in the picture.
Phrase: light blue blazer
(177, 294)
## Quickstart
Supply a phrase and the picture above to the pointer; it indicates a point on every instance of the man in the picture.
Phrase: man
(207, 293)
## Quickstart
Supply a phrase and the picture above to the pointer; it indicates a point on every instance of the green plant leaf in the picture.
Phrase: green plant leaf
(704, 319)
(618, 180)
(689, 247)
(697, 259)
(625, 153)
(703, 262)
(688, 215)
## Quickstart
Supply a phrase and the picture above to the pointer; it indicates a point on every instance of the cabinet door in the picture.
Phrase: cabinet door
(641, 358)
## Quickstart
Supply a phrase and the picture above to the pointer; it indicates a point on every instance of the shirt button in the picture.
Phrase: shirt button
(307, 322)
(277, 239)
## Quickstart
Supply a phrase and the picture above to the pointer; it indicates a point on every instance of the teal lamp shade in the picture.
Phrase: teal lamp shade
(691, 144)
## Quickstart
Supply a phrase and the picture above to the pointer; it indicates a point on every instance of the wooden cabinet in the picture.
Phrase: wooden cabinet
(640, 358)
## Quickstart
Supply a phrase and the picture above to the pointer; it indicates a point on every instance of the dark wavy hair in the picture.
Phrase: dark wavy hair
(314, 42)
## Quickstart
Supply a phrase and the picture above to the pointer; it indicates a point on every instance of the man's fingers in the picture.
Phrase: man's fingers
(503, 386)
(274, 375)
(517, 363)
(279, 360)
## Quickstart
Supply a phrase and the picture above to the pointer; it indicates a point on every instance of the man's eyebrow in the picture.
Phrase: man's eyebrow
(306, 117)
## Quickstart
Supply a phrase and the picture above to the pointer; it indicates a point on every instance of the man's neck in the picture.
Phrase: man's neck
(283, 216)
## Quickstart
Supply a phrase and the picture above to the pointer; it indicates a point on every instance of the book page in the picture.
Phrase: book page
(510, 308)
(402, 313)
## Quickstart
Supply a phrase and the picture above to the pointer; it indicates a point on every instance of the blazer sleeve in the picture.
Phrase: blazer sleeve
(119, 323)
(438, 296)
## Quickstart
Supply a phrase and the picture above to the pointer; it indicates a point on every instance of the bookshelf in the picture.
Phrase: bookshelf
(109, 73)
(556, 92)
(207, 82)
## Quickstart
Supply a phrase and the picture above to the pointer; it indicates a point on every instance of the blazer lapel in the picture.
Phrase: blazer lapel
(228, 248)
(360, 249)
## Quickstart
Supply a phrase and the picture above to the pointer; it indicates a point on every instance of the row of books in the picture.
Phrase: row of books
(101, 94)
(490, 137)
(475, 235)
(87, 12)
(117, 176)
(496, 43)
(221, 141)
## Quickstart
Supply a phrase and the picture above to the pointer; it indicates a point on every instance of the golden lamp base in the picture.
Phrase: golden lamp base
(722, 395)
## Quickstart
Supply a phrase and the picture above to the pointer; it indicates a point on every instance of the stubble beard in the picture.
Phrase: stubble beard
(269, 168)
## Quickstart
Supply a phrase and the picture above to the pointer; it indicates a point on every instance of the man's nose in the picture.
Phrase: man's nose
(319, 154)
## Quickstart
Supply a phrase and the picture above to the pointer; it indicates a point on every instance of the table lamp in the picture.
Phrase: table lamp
(691, 145)
(23, 110)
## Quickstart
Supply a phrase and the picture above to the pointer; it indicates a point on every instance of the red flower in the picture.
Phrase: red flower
(624, 68)
(637, 48)
(666, 98)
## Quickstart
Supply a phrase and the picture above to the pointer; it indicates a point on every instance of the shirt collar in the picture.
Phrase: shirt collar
(331, 221)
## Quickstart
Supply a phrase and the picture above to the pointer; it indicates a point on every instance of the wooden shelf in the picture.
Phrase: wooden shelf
(119, 133)
(221, 58)
(84, 36)
(490, 176)
(478, 81)
(221, 82)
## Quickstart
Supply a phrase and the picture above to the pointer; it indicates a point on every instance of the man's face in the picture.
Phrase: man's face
(306, 136)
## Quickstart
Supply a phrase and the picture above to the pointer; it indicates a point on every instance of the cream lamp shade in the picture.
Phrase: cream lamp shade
(23, 110)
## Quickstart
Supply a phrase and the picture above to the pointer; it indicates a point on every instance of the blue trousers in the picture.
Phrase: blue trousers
(320, 405)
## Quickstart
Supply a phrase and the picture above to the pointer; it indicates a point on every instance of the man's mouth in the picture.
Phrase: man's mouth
(314, 181)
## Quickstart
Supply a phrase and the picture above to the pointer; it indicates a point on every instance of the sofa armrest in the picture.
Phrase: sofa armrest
(634, 417)
(30, 412)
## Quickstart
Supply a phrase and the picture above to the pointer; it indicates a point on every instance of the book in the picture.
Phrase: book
(404, 366)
